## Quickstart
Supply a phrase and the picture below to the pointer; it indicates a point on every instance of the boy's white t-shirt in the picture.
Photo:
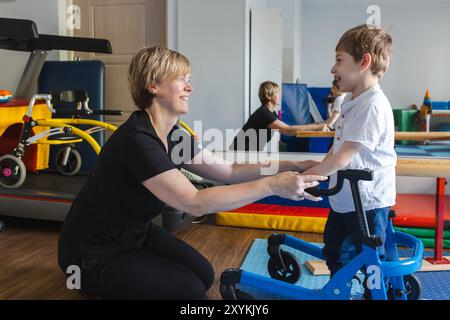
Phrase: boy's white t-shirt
(368, 120)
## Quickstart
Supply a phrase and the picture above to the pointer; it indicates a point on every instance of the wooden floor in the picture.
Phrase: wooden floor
(29, 268)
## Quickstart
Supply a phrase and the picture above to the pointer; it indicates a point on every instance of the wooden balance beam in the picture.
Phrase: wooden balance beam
(399, 135)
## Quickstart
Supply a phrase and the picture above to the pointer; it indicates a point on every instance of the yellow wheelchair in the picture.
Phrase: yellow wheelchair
(60, 131)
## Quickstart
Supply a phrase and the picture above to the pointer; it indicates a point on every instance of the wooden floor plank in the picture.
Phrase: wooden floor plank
(28, 256)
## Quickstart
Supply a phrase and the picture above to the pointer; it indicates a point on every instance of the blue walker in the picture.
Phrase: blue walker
(395, 277)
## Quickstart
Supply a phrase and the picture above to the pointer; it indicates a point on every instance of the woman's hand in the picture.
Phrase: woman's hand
(292, 185)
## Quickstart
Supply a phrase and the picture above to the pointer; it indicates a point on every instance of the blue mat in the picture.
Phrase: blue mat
(441, 150)
(435, 285)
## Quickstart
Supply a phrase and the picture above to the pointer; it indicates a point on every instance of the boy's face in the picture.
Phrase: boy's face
(346, 71)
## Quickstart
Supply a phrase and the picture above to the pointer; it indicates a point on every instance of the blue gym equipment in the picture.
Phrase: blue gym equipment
(395, 277)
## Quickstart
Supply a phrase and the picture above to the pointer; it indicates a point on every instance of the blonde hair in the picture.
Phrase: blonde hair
(368, 39)
(153, 65)
(266, 91)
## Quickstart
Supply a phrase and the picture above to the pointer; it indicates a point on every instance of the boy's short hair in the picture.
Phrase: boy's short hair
(266, 91)
(153, 65)
(368, 39)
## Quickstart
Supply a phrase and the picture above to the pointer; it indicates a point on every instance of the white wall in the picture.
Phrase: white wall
(212, 35)
(172, 23)
(45, 13)
(215, 36)
(266, 46)
(291, 13)
(420, 31)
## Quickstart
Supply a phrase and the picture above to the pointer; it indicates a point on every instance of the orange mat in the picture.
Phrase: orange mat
(418, 210)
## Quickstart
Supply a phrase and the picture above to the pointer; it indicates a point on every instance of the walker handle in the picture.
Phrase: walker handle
(350, 174)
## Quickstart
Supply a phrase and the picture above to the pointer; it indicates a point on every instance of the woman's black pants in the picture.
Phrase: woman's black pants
(164, 268)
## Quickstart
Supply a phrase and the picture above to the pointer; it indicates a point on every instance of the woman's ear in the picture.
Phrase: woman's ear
(152, 89)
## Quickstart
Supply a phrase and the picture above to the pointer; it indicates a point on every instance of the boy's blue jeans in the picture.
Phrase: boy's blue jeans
(342, 236)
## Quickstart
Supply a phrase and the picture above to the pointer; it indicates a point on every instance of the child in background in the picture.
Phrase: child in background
(264, 119)
(364, 138)
(335, 99)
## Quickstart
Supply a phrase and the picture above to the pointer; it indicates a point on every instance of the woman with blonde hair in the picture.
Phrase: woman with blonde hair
(109, 233)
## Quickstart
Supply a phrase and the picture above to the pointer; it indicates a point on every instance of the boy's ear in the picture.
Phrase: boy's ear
(366, 61)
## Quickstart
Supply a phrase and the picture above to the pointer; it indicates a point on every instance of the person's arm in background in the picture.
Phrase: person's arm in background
(334, 162)
(288, 130)
(335, 110)
(332, 120)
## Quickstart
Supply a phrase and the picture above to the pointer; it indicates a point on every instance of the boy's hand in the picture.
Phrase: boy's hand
(301, 166)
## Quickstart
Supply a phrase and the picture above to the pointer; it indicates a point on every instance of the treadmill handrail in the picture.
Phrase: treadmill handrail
(52, 42)
(16, 33)
(18, 29)
(22, 35)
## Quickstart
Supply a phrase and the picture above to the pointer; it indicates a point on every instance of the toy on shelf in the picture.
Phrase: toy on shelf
(434, 116)
(424, 112)
(5, 96)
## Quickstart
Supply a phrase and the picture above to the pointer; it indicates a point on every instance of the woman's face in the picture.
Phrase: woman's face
(174, 94)
(276, 97)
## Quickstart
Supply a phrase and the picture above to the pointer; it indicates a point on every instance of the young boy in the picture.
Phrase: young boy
(265, 119)
(364, 138)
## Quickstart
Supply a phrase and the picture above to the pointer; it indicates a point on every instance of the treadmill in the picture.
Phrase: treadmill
(44, 195)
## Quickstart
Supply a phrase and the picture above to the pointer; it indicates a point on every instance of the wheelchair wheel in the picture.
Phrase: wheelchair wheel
(73, 165)
(289, 274)
(412, 287)
(12, 171)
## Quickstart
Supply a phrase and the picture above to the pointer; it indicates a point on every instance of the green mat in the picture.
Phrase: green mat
(429, 243)
(421, 232)
(426, 236)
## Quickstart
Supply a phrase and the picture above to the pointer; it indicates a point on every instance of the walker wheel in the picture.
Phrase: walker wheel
(242, 295)
(412, 286)
(289, 274)
(229, 292)
(12, 171)
(73, 165)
